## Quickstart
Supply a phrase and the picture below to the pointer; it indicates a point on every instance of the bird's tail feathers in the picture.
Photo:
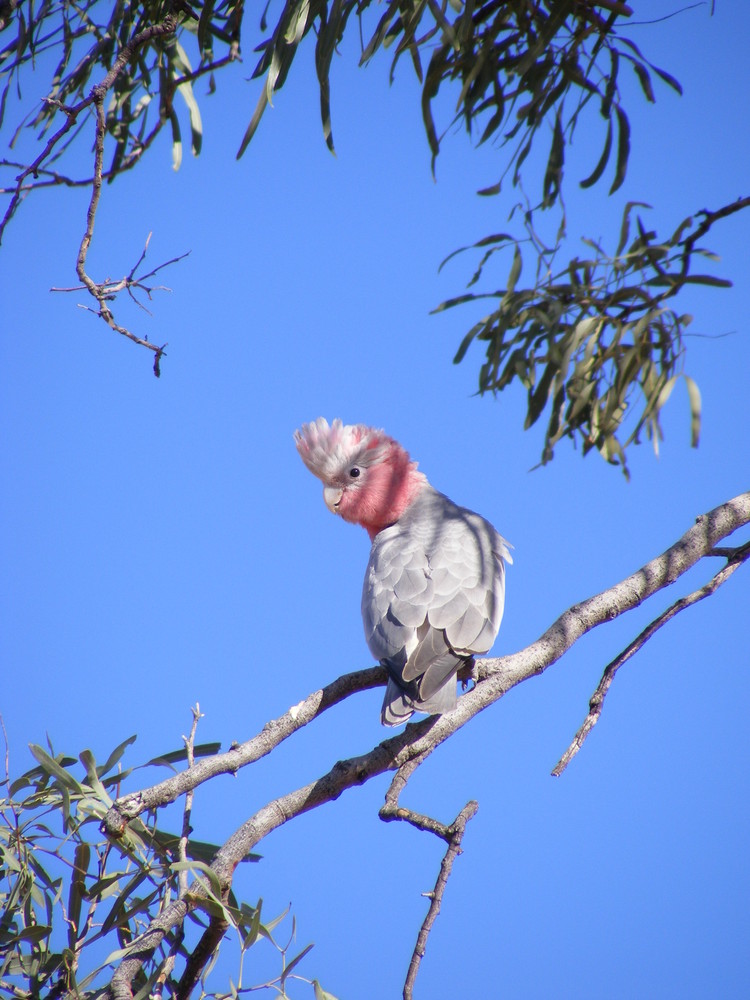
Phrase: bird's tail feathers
(398, 706)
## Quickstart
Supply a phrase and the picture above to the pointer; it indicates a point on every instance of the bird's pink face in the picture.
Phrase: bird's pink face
(371, 486)
(371, 495)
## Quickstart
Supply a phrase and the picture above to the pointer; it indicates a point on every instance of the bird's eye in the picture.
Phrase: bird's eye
(354, 472)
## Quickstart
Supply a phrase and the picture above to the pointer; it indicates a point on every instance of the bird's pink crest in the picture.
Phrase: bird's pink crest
(327, 448)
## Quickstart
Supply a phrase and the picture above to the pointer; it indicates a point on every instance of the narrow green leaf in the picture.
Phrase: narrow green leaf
(603, 160)
(176, 140)
(297, 24)
(202, 868)
(625, 228)
(519, 160)
(320, 993)
(325, 112)
(24, 781)
(555, 162)
(38, 932)
(466, 342)
(668, 79)
(260, 107)
(51, 766)
(204, 24)
(665, 393)
(115, 756)
(252, 935)
(623, 148)
(515, 270)
(196, 124)
(380, 32)
(429, 90)
(115, 915)
(694, 395)
(492, 125)
(609, 92)
(174, 756)
(294, 962)
(104, 887)
(538, 398)
(645, 81)
(580, 401)
(680, 231)
(707, 279)
(265, 929)
(81, 860)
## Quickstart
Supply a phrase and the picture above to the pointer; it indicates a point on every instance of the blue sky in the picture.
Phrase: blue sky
(163, 544)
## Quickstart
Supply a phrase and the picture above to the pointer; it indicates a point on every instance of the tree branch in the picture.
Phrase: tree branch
(596, 704)
(96, 95)
(452, 835)
(436, 896)
(239, 755)
(100, 292)
(406, 750)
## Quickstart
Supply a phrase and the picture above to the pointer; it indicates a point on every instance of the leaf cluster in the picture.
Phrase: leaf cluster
(72, 902)
(597, 344)
(91, 37)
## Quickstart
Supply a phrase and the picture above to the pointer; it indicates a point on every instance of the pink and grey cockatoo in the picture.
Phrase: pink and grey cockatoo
(434, 589)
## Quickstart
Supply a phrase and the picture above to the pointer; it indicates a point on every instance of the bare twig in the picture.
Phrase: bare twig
(735, 558)
(391, 809)
(103, 292)
(456, 830)
(189, 742)
(452, 835)
(6, 779)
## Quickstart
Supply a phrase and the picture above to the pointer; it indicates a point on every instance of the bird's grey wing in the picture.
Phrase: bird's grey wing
(468, 574)
(396, 594)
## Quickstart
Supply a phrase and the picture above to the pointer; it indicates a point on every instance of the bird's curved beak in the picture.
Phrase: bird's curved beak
(332, 496)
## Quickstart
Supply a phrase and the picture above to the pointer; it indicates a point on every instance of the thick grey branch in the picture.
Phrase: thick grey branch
(240, 754)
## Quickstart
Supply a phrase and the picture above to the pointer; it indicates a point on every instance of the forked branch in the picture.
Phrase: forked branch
(456, 834)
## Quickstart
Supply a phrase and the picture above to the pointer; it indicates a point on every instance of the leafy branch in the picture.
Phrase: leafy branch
(73, 903)
(595, 344)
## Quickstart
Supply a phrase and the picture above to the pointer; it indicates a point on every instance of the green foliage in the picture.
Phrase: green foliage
(90, 40)
(595, 343)
(72, 902)
(515, 66)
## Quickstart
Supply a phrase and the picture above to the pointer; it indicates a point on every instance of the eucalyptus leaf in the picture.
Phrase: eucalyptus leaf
(694, 395)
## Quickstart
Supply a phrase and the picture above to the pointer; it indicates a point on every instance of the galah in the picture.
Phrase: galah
(434, 588)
